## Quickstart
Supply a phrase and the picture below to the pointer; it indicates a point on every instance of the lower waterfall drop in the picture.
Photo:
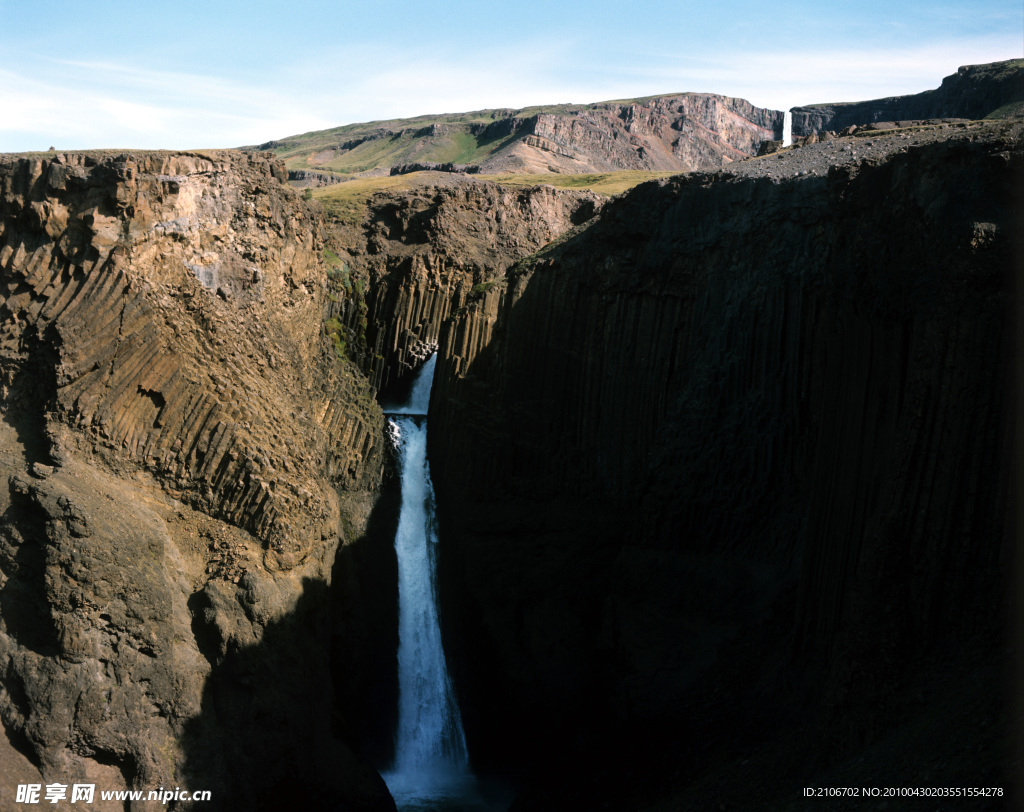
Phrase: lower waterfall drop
(787, 129)
(431, 766)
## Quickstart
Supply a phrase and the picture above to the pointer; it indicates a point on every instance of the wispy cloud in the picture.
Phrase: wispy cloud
(84, 105)
(785, 78)
(75, 104)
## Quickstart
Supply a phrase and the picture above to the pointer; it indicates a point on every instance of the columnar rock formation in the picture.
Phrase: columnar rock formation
(427, 252)
(176, 436)
(733, 460)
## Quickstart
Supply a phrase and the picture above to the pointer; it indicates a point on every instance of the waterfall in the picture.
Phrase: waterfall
(431, 764)
(419, 396)
(787, 129)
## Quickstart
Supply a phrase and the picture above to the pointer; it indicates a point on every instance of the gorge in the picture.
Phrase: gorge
(725, 474)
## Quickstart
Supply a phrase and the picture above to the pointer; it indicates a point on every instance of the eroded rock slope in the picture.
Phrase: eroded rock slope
(679, 132)
(174, 438)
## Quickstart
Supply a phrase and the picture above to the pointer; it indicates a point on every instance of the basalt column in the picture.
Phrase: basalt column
(696, 461)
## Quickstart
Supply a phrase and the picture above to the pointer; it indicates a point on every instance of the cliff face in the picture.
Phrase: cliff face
(722, 466)
(175, 436)
(427, 252)
(973, 92)
(732, 461)
(676, 133)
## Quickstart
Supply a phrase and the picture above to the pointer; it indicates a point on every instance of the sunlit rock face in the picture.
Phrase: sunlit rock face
(678, 132)
(177, 441)
(426, 252)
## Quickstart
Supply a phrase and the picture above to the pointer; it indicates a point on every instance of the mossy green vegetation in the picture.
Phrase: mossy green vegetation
(346, 202)
(336, 332)
(481, 288)
(1007, 111)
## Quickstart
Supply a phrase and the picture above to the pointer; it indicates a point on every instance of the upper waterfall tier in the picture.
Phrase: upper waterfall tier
(418, 401)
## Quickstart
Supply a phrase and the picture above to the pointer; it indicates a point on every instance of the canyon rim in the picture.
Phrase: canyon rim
(725, 465)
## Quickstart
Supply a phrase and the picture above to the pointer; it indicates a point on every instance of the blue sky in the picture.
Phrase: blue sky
(219, 74)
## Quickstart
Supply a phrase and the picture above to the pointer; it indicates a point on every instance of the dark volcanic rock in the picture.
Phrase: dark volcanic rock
(405, 169)
(729, 468)
(304, 178)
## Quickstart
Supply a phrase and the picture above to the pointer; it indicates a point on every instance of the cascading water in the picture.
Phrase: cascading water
(787, 129)
(431, 767)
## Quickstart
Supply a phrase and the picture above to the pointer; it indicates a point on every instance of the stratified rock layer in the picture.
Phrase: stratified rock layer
(732, 462)
(676, 133)
(175, 434)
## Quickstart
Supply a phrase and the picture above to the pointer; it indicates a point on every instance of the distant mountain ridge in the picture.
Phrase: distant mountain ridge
(974, 92)
(676, 132)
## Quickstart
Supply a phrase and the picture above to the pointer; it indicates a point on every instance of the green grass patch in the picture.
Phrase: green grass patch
(1007, 111)
(605, 183)
(481, 288)
(346, 202)
(336, 331)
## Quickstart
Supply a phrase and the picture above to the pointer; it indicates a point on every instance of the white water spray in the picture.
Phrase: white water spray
(787, 129)
(419, 395)
(431, 764)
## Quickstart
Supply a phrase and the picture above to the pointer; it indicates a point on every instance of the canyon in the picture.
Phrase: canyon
(725, 467)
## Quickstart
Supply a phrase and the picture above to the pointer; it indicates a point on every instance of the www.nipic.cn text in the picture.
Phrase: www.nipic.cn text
(86, 793)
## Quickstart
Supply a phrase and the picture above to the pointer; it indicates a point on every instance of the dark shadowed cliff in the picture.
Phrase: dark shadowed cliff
(725, 477)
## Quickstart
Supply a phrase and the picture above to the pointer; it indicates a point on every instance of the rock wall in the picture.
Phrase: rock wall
(675, 133)
(425, 253)
(731, 462)
(406, 169)
(305, 178)
(176, 434)
(972, 92)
